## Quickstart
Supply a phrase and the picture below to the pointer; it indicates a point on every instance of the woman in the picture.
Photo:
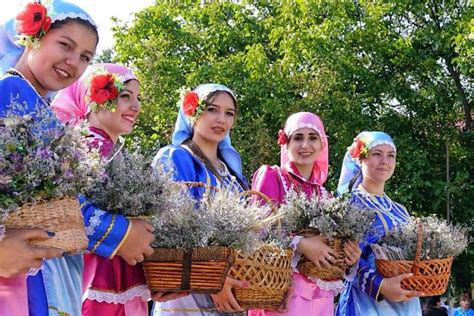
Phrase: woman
(368, 165)
(56, 49)
(304, 168)
(201, 152)
(112, 287)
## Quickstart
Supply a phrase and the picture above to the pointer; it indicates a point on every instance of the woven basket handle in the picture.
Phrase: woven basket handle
(264, 197)
(419, 244)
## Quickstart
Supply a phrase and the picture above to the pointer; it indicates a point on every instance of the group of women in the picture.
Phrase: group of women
(109, 279)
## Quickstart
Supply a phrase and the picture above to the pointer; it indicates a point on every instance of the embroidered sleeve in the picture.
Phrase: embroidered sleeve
(368, 280)
(105, 231)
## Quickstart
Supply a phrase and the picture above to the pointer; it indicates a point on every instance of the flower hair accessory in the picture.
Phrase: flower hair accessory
(32, 24)
(103, 89)
(358, 149)
(192, 105)
(282, 139)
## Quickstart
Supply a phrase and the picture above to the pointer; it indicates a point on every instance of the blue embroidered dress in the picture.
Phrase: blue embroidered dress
(57, 288)
(188, 167)
(362, 296)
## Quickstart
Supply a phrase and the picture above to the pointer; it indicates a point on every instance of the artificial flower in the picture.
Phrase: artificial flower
(358, 149)
(282, 139)
(190, 103)
(103, 89)
(32, 24)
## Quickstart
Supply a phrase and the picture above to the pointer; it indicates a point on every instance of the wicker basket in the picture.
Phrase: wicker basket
(267, 270)
(429, 276)
(61, 216)
(196, 270)
(331, 273)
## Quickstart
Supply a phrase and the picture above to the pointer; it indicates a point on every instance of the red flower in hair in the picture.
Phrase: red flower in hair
(282, 139)
(358, 149)
(33, 21)
(103, 88)
(190, 103)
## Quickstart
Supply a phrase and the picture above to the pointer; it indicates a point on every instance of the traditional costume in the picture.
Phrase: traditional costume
(189, 167)
(110, 285)
(362, 296)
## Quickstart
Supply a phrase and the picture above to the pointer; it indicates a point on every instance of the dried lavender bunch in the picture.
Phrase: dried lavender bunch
(440, 239)
(41, 159)
(221, 218)
(131, 187)
(330, 216)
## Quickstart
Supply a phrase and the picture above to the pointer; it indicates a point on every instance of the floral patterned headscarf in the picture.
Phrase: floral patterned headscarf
(306, 120)
(351, 167)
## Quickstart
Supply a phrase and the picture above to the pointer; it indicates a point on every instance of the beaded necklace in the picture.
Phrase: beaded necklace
(389, 210)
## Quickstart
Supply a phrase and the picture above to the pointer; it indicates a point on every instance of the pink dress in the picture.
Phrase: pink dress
(308, 298)
(13, 296)
(111, 286)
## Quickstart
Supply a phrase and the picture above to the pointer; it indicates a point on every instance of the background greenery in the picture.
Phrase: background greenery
(404, 67)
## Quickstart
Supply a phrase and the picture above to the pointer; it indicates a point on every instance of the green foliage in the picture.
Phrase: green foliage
(400, 66)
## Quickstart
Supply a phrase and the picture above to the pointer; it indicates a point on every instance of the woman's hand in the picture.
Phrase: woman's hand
(168, 296)
(315, 250)
(225, 300)
(137, 244)
(392, 290)
(17, 256)
(352, 252)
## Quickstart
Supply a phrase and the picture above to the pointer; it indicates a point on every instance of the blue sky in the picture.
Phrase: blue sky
(100, 10)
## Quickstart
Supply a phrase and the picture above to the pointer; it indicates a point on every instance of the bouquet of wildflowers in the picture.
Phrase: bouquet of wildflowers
(329, 216)
(130, 186)
(40, 159)
(440, 239)
(221, 218)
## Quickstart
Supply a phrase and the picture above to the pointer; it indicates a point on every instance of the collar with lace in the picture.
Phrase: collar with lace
(291, 167)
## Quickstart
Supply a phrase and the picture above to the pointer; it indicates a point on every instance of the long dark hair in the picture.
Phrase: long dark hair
(60, 23)
(207, 162)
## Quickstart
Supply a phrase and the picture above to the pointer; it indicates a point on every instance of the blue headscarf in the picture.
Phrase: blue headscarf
(351, 167)
(184, 130)
(58, 10)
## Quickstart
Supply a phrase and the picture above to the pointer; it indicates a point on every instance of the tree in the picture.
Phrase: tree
(399, 66)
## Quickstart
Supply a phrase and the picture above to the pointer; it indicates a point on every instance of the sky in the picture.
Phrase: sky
(100, 10)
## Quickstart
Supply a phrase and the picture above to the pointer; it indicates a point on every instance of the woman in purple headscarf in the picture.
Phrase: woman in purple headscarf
(303, 168)
(107, 96)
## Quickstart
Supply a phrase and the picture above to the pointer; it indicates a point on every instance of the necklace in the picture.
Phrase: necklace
(390, 210)
(14, 72)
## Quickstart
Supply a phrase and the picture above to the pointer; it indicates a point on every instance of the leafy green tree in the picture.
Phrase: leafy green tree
(401, 66)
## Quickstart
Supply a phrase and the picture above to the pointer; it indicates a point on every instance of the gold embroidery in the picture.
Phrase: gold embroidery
(107, 232)
(54, 308)
(123, 239)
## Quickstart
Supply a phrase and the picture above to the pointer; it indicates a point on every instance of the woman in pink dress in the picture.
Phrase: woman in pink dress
(304, 168)
(113, 283)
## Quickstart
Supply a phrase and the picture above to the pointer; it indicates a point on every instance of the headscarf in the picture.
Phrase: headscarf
(58, 10)
(351, 167)
(70, 104)
(183, 129)
(308, 120)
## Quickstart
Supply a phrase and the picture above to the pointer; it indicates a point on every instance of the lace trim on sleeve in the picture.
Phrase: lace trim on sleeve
(335, 286)
(296, 255)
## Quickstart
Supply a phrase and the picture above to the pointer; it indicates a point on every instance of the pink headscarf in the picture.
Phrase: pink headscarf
(70, 103)
(308, 120)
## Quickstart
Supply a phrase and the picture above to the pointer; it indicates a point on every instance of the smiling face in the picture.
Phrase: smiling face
(62, 57)
(379, 164)
(216, 120)
(122, 120)
(303, 147)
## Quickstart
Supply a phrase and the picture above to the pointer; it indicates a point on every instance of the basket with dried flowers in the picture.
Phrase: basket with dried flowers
(425, 247)
(267, 269)
(336, 219)
(195, 241)
(43, 166)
